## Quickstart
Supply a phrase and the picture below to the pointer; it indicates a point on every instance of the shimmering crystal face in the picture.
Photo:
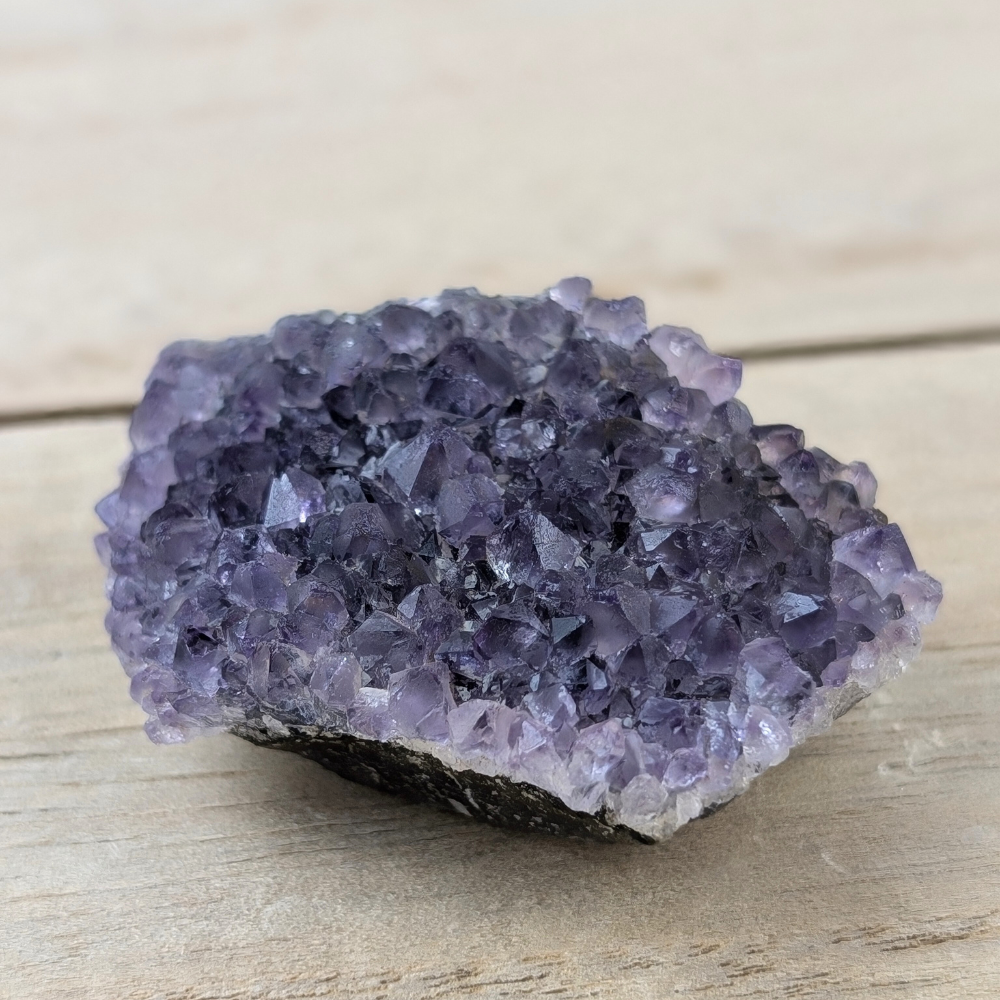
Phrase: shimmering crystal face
(526, 535)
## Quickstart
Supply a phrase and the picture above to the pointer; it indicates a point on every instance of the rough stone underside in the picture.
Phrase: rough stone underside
(520, 556)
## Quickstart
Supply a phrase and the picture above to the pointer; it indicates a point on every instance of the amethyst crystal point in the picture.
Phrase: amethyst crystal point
(524, 557)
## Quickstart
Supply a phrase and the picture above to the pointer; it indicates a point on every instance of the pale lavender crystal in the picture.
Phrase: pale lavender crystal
(526, 538)
(694, 365)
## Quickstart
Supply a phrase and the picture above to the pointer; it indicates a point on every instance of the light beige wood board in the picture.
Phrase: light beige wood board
(762, 170)
(865, 866)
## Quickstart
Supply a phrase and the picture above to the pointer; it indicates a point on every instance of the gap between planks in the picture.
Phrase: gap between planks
(776, 352)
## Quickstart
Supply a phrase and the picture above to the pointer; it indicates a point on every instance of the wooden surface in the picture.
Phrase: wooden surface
(774, 173)
(767, 171)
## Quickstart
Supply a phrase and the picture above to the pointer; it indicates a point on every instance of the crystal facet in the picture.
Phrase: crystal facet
(522, 556)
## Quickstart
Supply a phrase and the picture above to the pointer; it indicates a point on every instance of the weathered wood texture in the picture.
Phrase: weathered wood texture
(763, 170)
(865, 866)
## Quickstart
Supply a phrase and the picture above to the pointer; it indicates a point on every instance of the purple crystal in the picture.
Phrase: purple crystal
(514, 554)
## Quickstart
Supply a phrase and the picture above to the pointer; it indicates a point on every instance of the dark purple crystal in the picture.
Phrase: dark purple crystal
(528, 537)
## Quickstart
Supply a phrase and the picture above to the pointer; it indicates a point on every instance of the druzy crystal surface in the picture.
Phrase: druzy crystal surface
(517, 549)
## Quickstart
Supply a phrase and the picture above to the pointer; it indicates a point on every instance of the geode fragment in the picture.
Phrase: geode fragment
(520, 556)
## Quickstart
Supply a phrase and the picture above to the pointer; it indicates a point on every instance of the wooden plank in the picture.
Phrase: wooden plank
(766, 172)
(864, 866)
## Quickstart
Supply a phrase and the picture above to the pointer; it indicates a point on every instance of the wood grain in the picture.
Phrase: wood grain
(764, 171)
(866, 866)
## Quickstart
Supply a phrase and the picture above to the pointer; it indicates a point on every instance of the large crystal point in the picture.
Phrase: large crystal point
(523, 557)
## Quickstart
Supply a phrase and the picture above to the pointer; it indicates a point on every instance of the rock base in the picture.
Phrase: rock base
(421, 777)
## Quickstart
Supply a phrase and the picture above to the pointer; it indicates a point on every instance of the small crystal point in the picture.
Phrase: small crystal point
(523, 557)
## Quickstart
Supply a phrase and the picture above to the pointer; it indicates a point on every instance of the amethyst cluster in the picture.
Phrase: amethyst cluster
(523, 556)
